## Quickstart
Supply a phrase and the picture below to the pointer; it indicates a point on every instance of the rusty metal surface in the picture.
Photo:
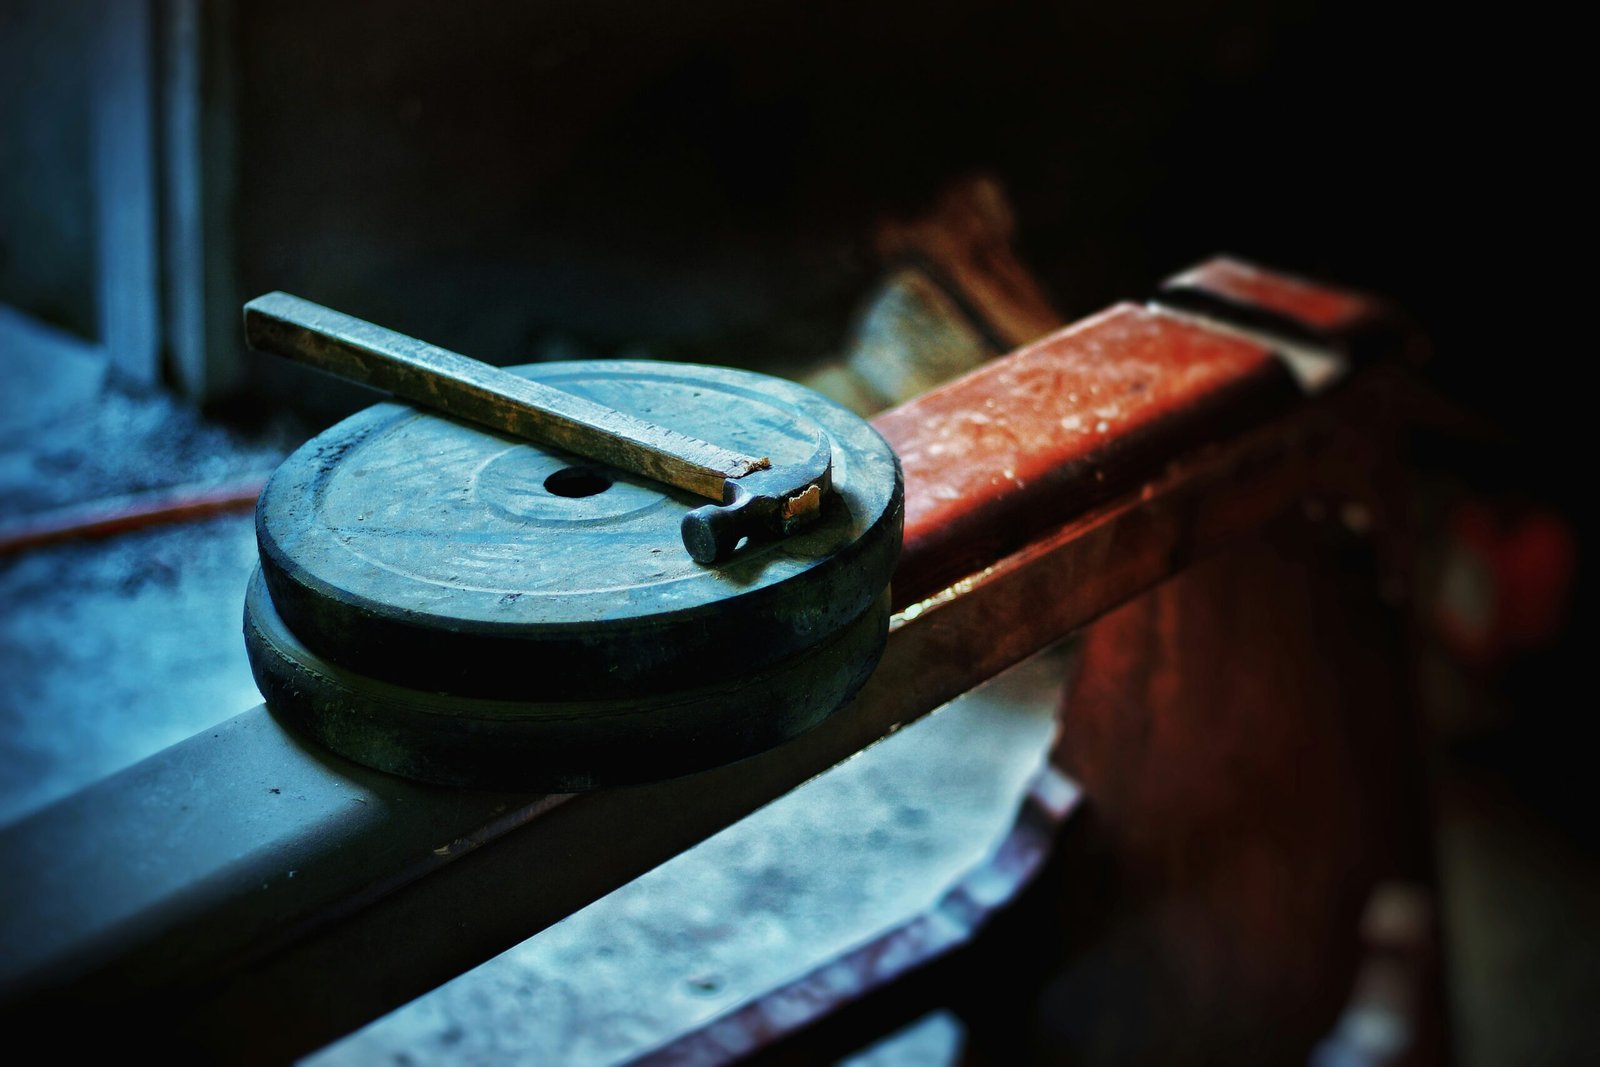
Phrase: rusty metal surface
(172, 908)
(1245, 734)
(996, 457)
(1255, 774)
(1355, 324)
(1316, 306)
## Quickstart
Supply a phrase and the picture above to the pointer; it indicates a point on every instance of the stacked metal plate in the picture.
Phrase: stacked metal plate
(448, 604)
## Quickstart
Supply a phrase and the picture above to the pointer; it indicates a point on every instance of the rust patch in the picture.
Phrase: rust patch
(1037, 437)
(803, 506)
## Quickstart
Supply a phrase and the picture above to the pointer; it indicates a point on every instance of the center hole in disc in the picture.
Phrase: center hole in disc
(578, 481)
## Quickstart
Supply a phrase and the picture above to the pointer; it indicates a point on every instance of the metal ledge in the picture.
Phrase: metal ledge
(249, 898)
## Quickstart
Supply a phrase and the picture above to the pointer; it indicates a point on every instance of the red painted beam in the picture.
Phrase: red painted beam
(1356, 324)
(1319, 308)
(1019, 446)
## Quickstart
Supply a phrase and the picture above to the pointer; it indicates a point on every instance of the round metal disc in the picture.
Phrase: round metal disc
(426, 553)
(554, 746)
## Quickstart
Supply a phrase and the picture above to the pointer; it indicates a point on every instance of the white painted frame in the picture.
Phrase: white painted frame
(123, 162)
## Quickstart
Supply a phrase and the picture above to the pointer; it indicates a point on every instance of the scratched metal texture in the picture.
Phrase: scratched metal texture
(1016, 447)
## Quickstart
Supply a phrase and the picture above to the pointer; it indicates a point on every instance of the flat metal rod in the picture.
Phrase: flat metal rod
(485, 395)
(245, 897)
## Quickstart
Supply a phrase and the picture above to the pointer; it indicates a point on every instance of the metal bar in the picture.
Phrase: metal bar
(485, 395)
(1353, 324)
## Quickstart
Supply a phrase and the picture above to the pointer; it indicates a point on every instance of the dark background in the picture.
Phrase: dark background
(697, 178)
